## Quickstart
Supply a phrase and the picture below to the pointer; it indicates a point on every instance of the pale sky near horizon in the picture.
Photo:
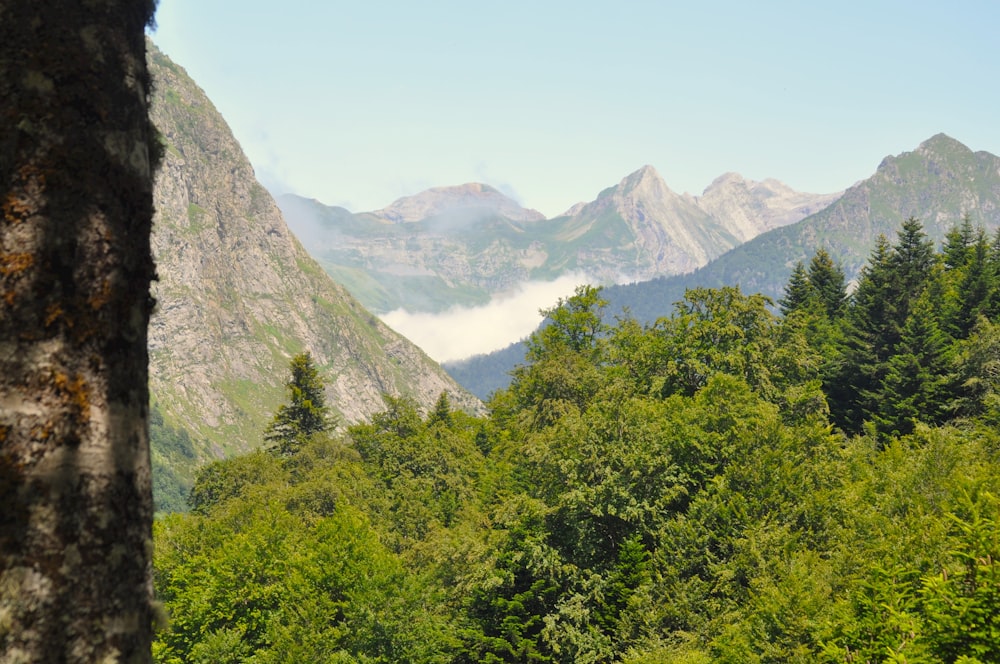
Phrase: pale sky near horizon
(359, 103)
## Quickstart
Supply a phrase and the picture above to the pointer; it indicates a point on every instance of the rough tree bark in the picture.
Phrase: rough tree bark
(77, 154)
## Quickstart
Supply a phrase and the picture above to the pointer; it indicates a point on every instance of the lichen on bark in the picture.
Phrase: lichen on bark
(77, 153)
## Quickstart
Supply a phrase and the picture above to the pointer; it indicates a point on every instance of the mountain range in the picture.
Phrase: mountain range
(940, 182)
(238, 296)
(461, 245)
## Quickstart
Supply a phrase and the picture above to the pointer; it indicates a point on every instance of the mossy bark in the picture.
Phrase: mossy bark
(77, 153)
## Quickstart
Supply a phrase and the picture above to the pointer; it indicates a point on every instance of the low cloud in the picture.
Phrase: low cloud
(462, 332)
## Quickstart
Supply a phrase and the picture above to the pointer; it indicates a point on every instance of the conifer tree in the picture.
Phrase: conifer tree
(976, 290)
(918, 375)
(911, 266)
(858, 374)
(958, 243)
(798, 291)
(441, 414)
(893, 279)
(306, 412)
(826, 279)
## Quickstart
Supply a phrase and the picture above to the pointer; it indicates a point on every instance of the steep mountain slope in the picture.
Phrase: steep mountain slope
(238, 295)
(938, 182)
(461, 245)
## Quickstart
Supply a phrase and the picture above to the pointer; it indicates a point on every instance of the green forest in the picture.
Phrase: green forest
(808, 480)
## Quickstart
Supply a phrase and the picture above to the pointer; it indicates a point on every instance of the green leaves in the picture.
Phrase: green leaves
(253, 578)
(674, 492)
(962, 602)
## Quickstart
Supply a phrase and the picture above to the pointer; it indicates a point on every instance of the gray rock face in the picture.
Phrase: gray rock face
(666, 233)
(472, 200)
(238, 295)
(747, 208)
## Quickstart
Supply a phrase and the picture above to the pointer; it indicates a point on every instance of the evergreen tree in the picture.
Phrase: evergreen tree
(306, 412)
(798, 291)
(893, 279)
(958, 243)
(441, 414)
(978, 370)
(976, 290)
(826, 279)
(856, 376)
(911, 266)
(918, 375)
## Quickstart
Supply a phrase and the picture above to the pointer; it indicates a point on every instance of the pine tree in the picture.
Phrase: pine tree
(889, 285)
(441, 414)
(306, 412)
(911, 266)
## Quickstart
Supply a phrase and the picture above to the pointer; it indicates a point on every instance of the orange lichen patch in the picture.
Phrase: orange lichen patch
(53, 312)
(41, 432)
(15, 207)
(75, 391)
(15, 263)
(32, 173)
(101, 297)
(9, 297)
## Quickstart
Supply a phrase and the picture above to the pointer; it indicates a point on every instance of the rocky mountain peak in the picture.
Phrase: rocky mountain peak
(939, 148)
(644, 182)
(943, 144)
(462, 198)
(729, 179)
(749, 208)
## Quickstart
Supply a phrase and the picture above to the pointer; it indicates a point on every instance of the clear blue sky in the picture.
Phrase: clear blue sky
(359, 103)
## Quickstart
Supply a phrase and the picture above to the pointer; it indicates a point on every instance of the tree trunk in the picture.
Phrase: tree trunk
(77, 154)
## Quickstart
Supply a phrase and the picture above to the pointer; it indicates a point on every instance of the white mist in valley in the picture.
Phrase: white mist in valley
(462, 332)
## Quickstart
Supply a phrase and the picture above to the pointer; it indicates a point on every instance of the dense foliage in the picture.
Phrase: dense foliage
(171, 448)
(727, 484)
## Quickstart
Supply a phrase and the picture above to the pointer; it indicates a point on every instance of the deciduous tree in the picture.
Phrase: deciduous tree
(77, 156)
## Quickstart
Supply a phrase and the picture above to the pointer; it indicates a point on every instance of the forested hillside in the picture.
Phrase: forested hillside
(727, 484)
